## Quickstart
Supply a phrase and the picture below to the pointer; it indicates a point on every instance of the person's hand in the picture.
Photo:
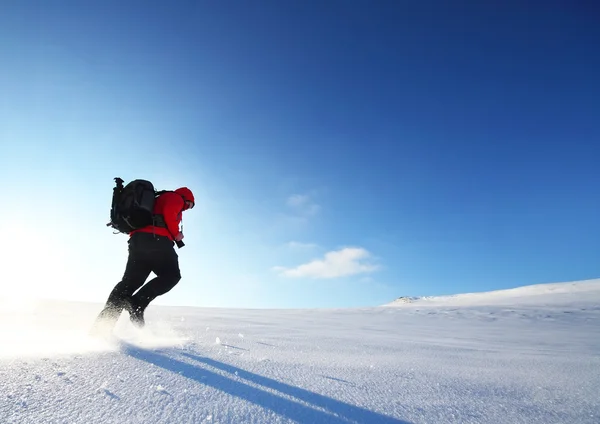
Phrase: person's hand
(179, 237)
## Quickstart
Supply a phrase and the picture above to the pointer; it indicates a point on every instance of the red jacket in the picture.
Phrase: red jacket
(170, 205)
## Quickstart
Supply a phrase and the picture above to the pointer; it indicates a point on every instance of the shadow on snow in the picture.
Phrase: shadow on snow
(335, 411)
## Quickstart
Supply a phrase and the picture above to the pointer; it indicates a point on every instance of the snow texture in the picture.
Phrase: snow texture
(528, 355)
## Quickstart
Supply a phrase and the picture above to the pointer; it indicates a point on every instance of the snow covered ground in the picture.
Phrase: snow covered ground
(530, 355)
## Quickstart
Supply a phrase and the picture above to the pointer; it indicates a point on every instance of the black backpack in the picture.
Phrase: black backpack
(132, 205)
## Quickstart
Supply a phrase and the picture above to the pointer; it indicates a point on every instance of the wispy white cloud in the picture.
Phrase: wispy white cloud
(298, 200)
(303, 204)
(339, 263)
(301, 246)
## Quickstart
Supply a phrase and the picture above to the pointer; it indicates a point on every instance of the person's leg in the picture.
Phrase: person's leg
(166, 267)
(137, 270)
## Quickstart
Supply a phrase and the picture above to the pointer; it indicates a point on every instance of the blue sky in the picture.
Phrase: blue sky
(343, 153)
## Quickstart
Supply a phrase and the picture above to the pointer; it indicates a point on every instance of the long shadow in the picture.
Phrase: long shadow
(278, 404)
(349, 412)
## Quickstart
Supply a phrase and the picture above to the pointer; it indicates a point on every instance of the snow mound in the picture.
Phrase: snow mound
(552, 293)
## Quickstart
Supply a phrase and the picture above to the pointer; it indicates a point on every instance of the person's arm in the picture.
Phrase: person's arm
(171, 210)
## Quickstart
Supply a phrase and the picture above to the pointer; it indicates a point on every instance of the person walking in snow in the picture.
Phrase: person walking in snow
(151, 249)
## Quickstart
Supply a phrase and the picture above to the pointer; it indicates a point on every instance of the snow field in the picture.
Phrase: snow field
(488, 361)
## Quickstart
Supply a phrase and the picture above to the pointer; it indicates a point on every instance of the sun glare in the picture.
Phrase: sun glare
(35, 263)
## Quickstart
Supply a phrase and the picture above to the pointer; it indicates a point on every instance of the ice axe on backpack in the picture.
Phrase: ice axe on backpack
(117, 190)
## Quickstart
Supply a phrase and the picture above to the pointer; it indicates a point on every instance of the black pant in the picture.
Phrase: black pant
(147, 253)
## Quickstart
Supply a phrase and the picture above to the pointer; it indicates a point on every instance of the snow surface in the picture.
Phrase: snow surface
(529, 355)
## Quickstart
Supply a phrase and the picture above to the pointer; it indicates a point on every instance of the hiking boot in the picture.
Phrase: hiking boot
(136, 316)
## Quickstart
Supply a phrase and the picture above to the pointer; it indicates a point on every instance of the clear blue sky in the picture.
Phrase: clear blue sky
(343, 153)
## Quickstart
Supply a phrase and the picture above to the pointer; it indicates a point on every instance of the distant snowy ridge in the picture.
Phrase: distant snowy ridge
(576, 291)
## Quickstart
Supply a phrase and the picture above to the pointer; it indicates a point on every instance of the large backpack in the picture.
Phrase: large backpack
(132, 205)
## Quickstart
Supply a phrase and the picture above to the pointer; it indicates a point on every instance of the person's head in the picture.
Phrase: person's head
(188, 197)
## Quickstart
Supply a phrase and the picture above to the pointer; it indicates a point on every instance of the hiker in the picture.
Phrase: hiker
(151, 249)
